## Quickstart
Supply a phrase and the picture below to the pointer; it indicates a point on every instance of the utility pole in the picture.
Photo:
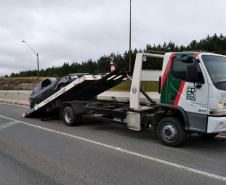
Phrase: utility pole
(36, 55)
(130, 40)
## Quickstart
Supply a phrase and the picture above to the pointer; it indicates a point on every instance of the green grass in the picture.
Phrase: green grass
(10, 83)
(19, 80)
(13, 83)
(147, 86)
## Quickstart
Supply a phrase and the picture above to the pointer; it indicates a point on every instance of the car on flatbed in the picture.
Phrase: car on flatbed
(49, 86)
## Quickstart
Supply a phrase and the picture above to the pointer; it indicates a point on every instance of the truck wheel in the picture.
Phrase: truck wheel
(69, 117)
(171, 132)
(206, 135)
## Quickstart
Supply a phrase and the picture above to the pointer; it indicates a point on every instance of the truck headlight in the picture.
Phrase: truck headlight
(220, 105)
(221, 110)
(217, 113)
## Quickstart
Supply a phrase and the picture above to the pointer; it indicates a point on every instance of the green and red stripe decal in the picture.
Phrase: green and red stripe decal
(167, 69)
(178, 85)
(179, 93)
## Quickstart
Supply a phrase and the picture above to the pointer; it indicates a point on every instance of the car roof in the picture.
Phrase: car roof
(78, 74)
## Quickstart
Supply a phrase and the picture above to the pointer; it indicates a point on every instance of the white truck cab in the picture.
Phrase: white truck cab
(192, 90)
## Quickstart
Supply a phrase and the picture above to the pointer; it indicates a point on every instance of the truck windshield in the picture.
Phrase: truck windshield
(216, 66)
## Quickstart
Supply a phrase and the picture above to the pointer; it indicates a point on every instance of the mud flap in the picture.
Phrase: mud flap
(133, 121)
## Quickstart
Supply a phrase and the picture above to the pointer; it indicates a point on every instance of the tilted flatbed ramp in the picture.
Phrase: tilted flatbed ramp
(84, 88)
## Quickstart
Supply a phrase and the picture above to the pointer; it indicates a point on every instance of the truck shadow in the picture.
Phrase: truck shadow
(194, 141)
(121, 130)
(198, 143)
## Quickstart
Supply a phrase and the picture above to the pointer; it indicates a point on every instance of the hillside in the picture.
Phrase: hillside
(28, 83)
(18, 83)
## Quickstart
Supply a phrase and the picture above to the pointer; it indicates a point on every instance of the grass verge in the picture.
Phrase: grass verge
(147, 86)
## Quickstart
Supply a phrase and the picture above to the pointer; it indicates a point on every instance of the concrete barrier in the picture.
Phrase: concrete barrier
(22, 97)
(124, 96)
(15, 97)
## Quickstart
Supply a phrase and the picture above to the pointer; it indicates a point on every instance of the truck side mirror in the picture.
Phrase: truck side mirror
(191, 73)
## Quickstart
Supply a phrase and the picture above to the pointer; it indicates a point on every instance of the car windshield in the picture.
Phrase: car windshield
(216, 66)
(52, 79)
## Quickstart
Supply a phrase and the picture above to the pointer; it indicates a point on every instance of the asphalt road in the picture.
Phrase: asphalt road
(48, 152)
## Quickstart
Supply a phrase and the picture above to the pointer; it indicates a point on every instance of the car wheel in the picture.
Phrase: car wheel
(61, 86)
(33, 105)
(171, 132)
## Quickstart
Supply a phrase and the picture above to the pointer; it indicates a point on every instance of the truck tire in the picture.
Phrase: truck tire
(69, 117)
(208, 136)
(171, 132)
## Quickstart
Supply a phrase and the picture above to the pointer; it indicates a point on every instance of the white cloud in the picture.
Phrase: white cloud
(67, 31)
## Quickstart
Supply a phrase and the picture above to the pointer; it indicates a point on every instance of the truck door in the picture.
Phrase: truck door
(191, 96)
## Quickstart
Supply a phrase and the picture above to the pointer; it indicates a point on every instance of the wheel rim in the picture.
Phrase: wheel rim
(169, 132)
(68, 117)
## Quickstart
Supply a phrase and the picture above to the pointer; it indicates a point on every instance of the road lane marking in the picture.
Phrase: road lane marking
(193, 170)
(9, 124)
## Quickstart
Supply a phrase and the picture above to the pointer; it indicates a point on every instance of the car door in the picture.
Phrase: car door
(47, 89)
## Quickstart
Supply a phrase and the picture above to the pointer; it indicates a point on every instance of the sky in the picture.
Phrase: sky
(78, 30)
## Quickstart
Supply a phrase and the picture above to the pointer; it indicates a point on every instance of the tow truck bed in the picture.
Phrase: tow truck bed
(85, 88)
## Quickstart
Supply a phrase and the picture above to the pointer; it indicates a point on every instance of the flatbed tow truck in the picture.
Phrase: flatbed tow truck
(192, 91)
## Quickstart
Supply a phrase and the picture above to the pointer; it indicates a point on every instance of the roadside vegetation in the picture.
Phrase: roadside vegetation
(18, 83)
(147, 86)
(28, 83)
(21, 80)
(213, 43)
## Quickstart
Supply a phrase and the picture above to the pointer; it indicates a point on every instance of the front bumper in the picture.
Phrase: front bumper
(216, 124)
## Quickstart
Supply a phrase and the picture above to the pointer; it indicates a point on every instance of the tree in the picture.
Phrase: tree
(210, 43)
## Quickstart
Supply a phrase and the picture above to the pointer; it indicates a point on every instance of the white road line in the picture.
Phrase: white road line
(9, 124)
(193, 170)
